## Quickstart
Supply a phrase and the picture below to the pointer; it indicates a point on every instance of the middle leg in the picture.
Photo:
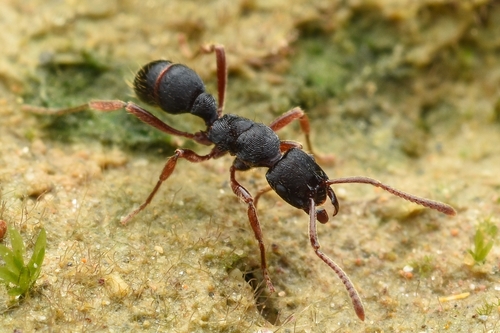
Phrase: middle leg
(169, 167)
(298, 114)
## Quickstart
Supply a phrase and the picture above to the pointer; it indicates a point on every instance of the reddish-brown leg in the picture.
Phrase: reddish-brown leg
(113, 105)
(298, 114)
(169, 167)
(291, 115)
(351, 290)
(439, 206)
(184, 46)
(289, 144)
(244, 195)
(54, 112)
(220, 56)
(259, 194)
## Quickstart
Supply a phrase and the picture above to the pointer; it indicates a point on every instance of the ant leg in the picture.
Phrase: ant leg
(294, 114)
(439, 206)
(113, 105)
(184, 47)
(286, 145)
(220, 56)
(259, 194)
(291, 115)
(169, 167)
(244, 195)
(54, 112)
(351, 290)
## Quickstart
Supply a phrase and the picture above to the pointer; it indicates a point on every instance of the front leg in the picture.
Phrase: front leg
(244, 195)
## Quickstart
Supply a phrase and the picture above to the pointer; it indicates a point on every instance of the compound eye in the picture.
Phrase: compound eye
(281, 190)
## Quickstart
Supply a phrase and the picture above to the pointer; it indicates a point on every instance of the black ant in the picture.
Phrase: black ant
(293, 174)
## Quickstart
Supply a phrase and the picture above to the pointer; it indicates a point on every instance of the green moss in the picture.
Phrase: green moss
(17, 276)
(423, 266)
(320, 65)
(487, 308)
(484, 238)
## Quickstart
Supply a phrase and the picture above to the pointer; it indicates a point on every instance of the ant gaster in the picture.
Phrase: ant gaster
(293, 174)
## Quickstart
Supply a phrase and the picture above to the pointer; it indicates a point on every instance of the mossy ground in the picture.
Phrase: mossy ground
(402, 91)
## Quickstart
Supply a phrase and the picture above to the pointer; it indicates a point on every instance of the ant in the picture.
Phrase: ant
(292, 173)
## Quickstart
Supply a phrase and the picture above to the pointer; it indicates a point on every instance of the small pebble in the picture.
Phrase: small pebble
(3, 229)
(158, 249)
(116, 286)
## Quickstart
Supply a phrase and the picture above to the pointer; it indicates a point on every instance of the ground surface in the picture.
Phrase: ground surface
(406, 92)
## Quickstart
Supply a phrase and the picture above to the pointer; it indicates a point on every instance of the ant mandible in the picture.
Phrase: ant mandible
(293, 174)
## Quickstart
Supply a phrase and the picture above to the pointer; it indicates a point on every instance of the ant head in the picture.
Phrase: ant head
(297, 178)
(176, 89)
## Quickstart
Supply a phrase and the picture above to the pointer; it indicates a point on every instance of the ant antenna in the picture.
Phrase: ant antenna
(351, 290)
(439, 206)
